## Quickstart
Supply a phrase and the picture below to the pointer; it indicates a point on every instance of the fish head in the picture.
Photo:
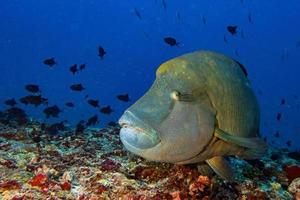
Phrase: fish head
(173, 121)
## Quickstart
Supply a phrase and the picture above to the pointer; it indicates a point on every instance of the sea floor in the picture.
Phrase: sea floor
(94, 166)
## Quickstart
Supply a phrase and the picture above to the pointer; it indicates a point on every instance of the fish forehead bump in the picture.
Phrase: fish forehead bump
(180, 62)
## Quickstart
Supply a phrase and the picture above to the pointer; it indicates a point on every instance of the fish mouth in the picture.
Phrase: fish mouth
(135, 134)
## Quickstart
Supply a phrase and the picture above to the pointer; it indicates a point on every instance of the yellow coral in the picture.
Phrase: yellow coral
(275, 186)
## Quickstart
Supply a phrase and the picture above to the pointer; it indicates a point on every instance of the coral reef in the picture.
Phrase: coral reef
(90, 166)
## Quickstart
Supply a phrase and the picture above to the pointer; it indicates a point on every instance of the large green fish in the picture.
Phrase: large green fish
(199, 109)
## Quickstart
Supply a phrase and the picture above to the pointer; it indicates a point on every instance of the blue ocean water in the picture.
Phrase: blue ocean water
(267, 43)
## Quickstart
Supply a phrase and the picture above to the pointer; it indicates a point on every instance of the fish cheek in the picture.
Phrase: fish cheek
(185, 131)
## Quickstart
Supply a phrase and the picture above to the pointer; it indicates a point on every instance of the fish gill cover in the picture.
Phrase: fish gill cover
(70, 66)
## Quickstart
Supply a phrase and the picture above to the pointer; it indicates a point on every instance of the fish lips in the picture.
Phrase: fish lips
(135, 134)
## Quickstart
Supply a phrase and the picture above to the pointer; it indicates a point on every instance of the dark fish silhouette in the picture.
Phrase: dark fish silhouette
(55, 128)
(80, 127)
(92, 121)
(73, 69)
(171, 41)
(32, 88)
(94, 103)
(137, 13)
(203, 19)
(16, 114)
(70, 104)
(289, 143)
(123, 97)
(81, 67)
(52, 111)
(101, 52)
(106, 110)
(277, 134)
(282, 102)
(77, 87)
(164, 4)
(111, 123)
(35, 100)
(278, 117)
(50, 62)
(250, 18)
(242, 68)
(232, 29)
(178, 16)
(10, 102)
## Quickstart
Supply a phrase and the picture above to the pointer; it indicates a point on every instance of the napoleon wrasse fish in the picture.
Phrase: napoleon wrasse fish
(200, 109)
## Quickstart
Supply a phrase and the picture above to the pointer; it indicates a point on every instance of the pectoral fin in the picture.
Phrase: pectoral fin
(255, 146)
(221, 167)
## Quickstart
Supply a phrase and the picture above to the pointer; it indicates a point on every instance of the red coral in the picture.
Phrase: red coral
(66, 186)
(110, 165)
(10, 185)
(101, 188)
(39, 180)
(292, 172)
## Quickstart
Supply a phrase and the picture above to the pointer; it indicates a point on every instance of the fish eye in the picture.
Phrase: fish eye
(175, 95)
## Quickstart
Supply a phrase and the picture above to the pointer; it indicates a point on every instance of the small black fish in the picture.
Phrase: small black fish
(73, 69)
(277, 134)
(101, 52)
(137, 13)
(32, 88)
(203, 19)
(232, 29)
(81, 67)
(178, 16)
(77, 87)
(242, 68)
(289, 143)
(70, 104)
(92, 121)
(106, 110)
(94, 103)
(265, 139)
(282, 102)
(295, 155)
(86, 96)
(164, 4)
(123, 97)
(171, 41)
(55, 128)
(278, 117)
(16, 114)
(250, 18)
(50, 62)
(111, 123)
(35, 100)
(10, 102)
(80, 127)
(52, 111)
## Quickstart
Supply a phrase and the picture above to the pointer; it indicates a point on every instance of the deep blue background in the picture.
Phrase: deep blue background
(71, 31)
